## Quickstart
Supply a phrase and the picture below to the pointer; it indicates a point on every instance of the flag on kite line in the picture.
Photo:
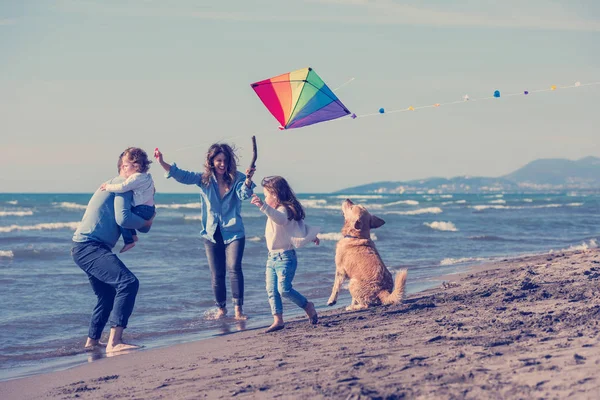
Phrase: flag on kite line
(299, 98)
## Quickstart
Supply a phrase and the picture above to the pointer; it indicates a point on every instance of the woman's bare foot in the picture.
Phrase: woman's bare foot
(221, 312)
(239, 314)
(312, 313)
(121, 347)
(127, 247)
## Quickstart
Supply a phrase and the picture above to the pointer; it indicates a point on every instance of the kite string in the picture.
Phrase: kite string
(480, 99)
(343, 84)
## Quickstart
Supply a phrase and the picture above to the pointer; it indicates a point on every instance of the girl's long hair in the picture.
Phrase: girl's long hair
(285, 196)
(230, 159)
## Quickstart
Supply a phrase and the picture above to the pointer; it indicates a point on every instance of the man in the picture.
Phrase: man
(114, 285)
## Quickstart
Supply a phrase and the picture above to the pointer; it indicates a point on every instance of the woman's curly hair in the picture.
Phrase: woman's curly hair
(231, 161)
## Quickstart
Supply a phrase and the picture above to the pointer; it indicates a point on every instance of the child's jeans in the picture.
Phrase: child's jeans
(281, 268)
(143, 211)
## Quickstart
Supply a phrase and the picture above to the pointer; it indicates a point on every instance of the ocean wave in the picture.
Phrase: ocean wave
(335, 236)
(502, 207)
(441, 226)
(499, 201)
(360, 196)
(528, 200)
(581, 247)
(254, 239)
(452, 261)
(497, 196)
(193, 217)
(428, 210)
(7, 253)
(40, 227)
(486, 238)
(15, 213)
(446, 196)
(70, 206)
(178, 206)
(13, 202)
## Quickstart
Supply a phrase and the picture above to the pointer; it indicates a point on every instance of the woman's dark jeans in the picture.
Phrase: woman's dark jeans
(226, 257)
(115, 286)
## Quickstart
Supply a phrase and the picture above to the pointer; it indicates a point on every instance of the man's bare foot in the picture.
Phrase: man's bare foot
(239, 314)
(121, 347)
(275, 327)
(127, 247)
(221, 312)
(312, 313)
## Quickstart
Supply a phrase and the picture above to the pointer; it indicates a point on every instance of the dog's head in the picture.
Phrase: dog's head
(358, 221)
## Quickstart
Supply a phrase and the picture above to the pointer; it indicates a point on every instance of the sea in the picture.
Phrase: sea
(46, 300)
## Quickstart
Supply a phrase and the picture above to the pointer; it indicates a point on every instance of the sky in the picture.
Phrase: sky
(82, 80)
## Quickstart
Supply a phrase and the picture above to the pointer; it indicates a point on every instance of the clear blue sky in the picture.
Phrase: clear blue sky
(82, 80)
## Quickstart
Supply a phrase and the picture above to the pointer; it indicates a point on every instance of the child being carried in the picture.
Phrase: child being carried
(134, 165)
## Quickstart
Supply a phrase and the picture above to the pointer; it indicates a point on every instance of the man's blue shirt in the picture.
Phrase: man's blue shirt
(104, 214)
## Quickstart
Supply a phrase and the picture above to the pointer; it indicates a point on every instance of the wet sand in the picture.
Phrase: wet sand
(524, 328)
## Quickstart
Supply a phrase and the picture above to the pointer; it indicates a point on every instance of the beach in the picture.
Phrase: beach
(517, 328)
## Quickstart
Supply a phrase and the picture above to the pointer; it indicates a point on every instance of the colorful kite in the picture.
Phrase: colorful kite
(299, 98)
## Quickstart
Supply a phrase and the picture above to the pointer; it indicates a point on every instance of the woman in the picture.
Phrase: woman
(222, 189)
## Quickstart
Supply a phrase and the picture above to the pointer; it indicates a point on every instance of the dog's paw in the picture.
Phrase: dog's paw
(330, 303)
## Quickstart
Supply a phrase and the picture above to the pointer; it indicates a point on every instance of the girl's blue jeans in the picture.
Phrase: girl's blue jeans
(281, 268)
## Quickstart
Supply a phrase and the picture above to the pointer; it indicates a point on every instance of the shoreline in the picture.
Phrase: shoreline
(527, 326)
(229, 326)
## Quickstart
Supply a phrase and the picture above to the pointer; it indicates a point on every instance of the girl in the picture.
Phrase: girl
(222, 189)
(134, 165)
(285, 231)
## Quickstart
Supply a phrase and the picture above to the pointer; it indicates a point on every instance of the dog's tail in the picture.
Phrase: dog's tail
(396, 296)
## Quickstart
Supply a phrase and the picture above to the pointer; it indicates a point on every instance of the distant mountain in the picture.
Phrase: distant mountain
(538, 175)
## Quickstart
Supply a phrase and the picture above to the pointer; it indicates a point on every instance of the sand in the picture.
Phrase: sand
(521, 328)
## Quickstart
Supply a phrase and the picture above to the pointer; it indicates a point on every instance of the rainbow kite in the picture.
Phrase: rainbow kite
(299, 98)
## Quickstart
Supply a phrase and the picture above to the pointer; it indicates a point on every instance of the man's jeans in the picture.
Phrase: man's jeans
(115, 286)
(281, 268)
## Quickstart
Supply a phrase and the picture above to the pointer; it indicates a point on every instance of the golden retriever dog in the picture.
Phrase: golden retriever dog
(356, 258)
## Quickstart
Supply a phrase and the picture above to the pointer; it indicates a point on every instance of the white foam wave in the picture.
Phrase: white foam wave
(582, 247)
(40, 227)
(446, 196)
(70, 206)
(255, 239)
(452, 261)
(460, 201)
(500, 201)
(7, 253)
(428, 210)
(335, 236)
(494, 196)
(193, 217)
(528, 200)
(441, 226)
(360, 196)
(15, 213)
(13, 202)
(501, 207)
(178, 206)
